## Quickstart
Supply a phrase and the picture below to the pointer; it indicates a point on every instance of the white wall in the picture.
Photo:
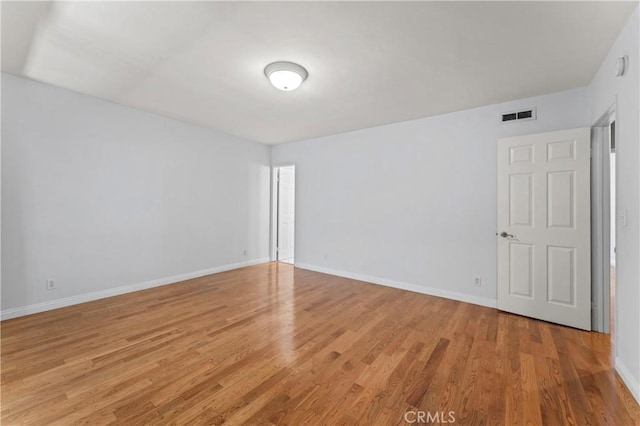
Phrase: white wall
(413, 204)
(604, 91)
(99, 196)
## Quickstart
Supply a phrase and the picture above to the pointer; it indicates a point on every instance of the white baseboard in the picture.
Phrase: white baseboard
(431, 291)
(116, 291)
(628, 379)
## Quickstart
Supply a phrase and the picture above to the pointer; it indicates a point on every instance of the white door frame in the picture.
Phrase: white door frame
(273, 231)
(601, 223)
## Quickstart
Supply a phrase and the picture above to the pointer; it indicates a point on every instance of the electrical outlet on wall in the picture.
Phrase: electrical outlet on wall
(477, 281)
(244, 252)
(51, 284)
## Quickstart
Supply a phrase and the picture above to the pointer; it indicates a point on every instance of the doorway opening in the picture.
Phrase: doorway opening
(284, 203)
(604, 224)
(612, 222)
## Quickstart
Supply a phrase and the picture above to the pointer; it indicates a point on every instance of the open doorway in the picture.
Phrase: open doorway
(603, 184)
(612, 222)
(284, 197)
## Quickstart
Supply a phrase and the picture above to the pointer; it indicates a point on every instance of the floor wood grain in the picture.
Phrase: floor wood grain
(271, 344)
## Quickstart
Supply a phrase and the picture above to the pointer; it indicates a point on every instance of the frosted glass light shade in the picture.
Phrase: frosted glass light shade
(285, 76)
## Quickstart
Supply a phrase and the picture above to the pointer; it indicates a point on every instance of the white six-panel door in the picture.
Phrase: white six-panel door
(544, 249)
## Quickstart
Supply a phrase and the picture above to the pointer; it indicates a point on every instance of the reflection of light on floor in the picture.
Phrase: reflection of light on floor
(284, 309)
(288, 260)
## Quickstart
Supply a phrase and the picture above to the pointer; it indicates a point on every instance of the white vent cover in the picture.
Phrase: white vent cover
(522, 115)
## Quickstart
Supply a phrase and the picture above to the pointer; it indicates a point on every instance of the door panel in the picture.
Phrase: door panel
(544, 255)
(561, 199)
(521, 154)
(521, 270)
(521, 199)
(561, 278)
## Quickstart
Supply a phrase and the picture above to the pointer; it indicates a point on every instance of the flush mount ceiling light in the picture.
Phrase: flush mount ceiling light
(285, 76)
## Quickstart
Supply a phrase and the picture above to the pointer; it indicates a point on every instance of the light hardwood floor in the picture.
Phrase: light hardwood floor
(271, 344)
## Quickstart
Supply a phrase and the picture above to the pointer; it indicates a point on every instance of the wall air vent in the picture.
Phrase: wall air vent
(527, 114)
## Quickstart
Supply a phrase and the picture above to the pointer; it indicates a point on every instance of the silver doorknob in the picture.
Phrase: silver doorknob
(505, 235)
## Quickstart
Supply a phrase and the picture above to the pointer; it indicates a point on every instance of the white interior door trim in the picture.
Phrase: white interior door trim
(600, 222)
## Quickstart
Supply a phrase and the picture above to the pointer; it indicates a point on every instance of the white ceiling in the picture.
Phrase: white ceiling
(369, 63)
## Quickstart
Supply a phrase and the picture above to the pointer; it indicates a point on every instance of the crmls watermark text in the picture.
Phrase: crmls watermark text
(426, 417)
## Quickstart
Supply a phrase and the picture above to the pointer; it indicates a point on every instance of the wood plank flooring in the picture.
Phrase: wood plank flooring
(271, 344)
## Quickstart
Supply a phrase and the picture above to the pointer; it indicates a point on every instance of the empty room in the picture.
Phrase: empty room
(320, 213)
